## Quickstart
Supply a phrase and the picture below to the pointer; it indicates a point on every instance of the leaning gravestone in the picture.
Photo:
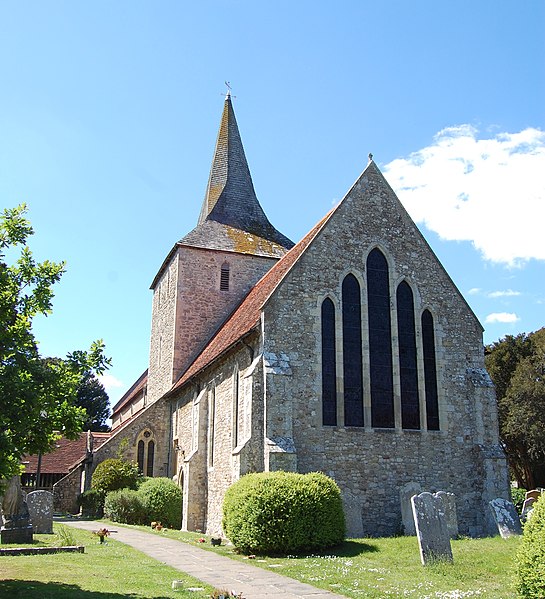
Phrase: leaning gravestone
(407, 519)
(40, 506)
(506, 517)
(527, 508)
(447, 508)
(431, 528)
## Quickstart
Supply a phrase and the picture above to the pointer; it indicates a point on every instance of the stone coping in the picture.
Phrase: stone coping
(42, 550)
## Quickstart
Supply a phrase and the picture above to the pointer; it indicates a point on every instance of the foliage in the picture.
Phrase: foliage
(92, 396)
(65, 536)
(518, 496)
(162, 500)
(125, 506)
(92, 503)
(531, 555)
(113, 474)
(517, 367)
(283, 512)
(38, 395)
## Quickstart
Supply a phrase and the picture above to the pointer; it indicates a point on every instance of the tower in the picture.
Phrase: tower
(210, 270)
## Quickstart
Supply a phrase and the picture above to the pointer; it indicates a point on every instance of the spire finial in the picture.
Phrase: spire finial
(228, 94)
(370, 157)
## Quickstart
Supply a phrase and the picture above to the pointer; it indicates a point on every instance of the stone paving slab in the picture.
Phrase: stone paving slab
(216, 570)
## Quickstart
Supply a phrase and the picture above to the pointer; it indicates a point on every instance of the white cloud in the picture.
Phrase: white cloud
(110, 382)
(474, 291)
(504, 317)
(487, 191)
(506, 293)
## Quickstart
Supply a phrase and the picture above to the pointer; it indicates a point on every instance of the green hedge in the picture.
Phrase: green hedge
(283, 512)
(91, 503)
(113, 474)
(162, 501)
(125, 506)
(518, 496)
(531, 555)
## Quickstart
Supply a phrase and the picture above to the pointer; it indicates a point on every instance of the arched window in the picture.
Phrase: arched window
(408, 372)
(430, 371)
(151, 454)
(224, 277)
(140, 456)
(352, 354)
(380, 344)
(145, 450)
(329, 369)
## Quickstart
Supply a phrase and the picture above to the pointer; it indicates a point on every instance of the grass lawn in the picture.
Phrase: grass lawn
(108, 571)
(390, 567)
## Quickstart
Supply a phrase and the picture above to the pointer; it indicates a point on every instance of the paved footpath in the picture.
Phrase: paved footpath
(216, 570)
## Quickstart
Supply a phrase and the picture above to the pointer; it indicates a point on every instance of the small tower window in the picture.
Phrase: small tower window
(224, 277)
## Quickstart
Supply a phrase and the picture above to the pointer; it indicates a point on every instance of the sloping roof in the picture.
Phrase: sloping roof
(245, 318)
(67, 454)
(231, 210)
(134, 390)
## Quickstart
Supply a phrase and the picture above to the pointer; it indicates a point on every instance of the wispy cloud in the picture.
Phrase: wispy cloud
(503, 317)
(110, 382)
(487, 191)
(475, 291)
(506, 293)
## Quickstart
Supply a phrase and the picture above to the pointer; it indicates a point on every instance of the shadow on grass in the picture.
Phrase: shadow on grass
(347, 549)
(32, 589)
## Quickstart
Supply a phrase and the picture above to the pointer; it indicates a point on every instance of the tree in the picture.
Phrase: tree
(92, 396)
(37, 395)
(517, 367)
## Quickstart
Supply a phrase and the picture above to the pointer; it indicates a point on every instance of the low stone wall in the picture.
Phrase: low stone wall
(66, 491)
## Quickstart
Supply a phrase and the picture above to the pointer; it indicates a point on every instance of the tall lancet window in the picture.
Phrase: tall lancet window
(329, 369)
(352, 353)
(408, 372)
(380, 341)
(224, 277)
(430, 371)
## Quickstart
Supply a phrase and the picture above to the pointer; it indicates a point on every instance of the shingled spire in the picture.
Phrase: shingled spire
(231, 217)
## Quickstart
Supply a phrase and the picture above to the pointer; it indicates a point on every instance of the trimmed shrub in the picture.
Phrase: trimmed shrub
(113, 474)
(92, 503)
(518, 496)
(531, 555)
(162, 500)
(283, 512)
(125, 506)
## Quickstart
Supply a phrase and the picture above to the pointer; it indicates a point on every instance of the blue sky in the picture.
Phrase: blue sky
(109, 113)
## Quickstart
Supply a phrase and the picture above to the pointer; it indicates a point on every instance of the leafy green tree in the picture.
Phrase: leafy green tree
(92, 396)
(37, 395)
(517, 367)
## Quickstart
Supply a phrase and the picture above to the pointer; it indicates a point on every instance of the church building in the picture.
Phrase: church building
(351, 353)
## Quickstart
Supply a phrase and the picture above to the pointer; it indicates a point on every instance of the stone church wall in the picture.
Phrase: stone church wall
(370, 465)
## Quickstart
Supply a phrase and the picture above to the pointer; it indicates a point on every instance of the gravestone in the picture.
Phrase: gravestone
(40, 507)
(506, 517)
(16, 527)
(447, 507)
(527, 508)
(407, 519)
(431, 528)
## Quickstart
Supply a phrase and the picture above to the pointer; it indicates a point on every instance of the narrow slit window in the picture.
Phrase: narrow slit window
(151, 454)
(224, 277)
(430, 371)
(352, 352)
(329, 369)
(140, 456)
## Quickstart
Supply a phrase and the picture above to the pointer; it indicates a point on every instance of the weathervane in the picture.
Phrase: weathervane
(228, 94)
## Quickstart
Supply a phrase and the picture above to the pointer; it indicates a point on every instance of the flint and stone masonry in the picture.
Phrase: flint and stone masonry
(236, 371)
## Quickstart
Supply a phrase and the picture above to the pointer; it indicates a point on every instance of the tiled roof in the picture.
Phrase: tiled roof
(243, 320)
(230, 201)
(66, 455)
(136, 388)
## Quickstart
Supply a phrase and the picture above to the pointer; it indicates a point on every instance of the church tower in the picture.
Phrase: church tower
(210, 270)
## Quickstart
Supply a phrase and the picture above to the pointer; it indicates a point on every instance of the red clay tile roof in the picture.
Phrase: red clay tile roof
(243, 320)
(137, 386)
(66, 455)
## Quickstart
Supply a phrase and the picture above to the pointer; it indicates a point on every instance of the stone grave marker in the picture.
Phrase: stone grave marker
(407, 519)
(533, 494)
(40, 506)
(447, 507)
(431, 527)
(506, 517)
(527, 508)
